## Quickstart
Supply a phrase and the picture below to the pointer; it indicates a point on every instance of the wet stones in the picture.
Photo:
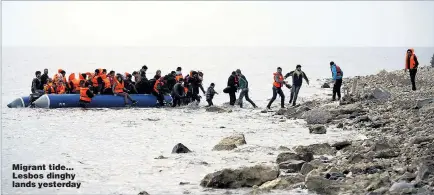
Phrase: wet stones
(180, 148)
(425, 170)
(241, 177)
(380, 94)
(317, 129)
(215, 109)
(317, 116)
(306, 156)
(292, 166)
(281, 183)
(230, 143)
(341, 145)
(316, 149)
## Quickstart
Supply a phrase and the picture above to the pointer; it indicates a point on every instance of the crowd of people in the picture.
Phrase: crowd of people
(183, 89)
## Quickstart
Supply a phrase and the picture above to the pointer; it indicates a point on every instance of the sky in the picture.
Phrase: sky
(202, 23)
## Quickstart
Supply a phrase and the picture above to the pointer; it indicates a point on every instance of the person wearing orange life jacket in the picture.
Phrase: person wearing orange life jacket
(159, 90)
(49, 88)
(178, 74)
(74, 84)
(411, 63)
(94, 80)
(86, 94)
(60, 87)
(337, 75)
(278, 82)
(107, 87)
(118, 90)
(59, 75)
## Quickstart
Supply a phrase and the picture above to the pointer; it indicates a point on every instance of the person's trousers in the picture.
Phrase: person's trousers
(232, 97)
(245, 93)
(209, 102)
(176, 101)
(160, 97)
(282, 97)
(337, 89)
(413, 78)
(294, 94)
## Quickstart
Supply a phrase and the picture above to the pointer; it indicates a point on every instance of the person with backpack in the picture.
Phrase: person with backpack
(337, 75)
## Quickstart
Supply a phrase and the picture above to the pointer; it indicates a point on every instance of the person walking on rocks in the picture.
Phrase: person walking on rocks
(337, 75)
(411, 64)
(278, 82)
(244, 87)
(297, 80)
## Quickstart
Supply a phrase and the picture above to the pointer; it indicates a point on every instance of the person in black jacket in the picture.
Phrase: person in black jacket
(297, 80)
(178, 93)
(171, 80)
(232, 88)
(44, 77)
(195, 84)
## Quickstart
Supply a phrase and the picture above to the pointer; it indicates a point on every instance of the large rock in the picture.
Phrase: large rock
(325, 85)
(287, 156)
(341, 145)
(424, 102)
(143, 193)
(242, 177)
(292, 166)
(316, 149)
(231, 142)
(180, 148)
(319, 184)
(380, 94)
(425, 170)
(281, 183)
(317, 116)
(401, 188)
(318, 129)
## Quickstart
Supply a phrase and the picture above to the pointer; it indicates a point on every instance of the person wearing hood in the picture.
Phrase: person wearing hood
(411, 64)
(44, 77)
(297, 80)
(178, 93)
(244, 87)
(337, 75)
(210, 95)
(278, 82)
(143, 72)
(232, 87)
(118, 89)
(73, 83)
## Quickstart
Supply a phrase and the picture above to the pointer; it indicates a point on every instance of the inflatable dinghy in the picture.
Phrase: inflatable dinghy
(98, 101)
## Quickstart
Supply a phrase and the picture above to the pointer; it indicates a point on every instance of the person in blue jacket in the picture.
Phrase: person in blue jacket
(337, 75)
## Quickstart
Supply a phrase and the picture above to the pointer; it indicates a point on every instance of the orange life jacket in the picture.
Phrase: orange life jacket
(95, 80)
(119, 86)
(74, 83)
(178, 77)
(83, 94)
(156, 85)
(277, 84)
(61, 89)
(412, 64)
(106, 80)
(186, 90)
(49, 88)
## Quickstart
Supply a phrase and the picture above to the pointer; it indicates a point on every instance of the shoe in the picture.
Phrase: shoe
(254, 106)
(293, 105)
(134, 102)
(268, 107)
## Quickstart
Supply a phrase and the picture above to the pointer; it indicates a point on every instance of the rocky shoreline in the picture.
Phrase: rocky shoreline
(396, 158)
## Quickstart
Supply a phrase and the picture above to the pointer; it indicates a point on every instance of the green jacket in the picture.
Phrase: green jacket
(242, 82)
